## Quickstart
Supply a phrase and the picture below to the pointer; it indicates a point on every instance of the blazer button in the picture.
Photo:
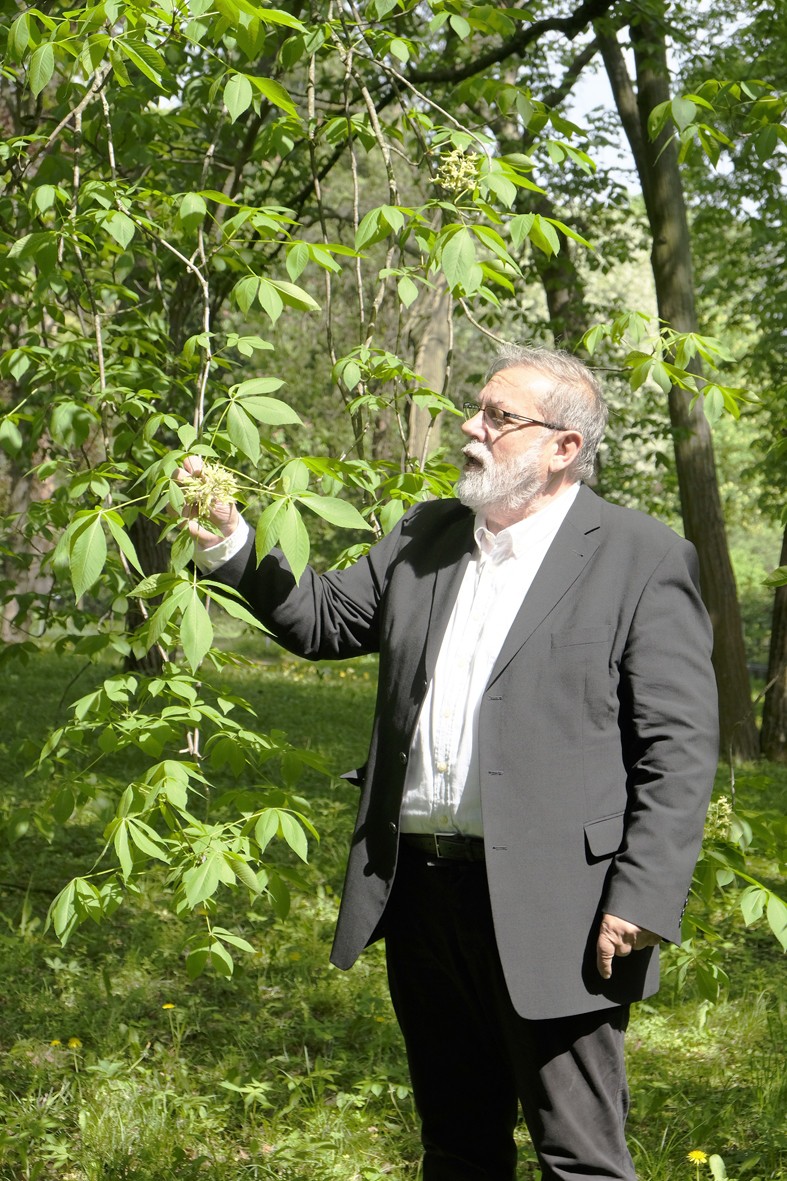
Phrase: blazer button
(392, 826)
(402, 757)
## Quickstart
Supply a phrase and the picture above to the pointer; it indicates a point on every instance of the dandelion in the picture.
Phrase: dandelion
(168, 1005)
(56, 1042)
(74, 1043)
(697, 1157)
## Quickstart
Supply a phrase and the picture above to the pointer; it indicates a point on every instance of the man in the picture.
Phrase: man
(541, 760)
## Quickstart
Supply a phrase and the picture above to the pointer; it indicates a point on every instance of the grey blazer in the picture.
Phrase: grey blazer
(597, 732)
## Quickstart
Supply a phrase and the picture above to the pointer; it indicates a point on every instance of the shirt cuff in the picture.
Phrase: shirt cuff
(209, 558)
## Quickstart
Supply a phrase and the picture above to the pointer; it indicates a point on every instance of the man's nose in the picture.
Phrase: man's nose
(474, 427)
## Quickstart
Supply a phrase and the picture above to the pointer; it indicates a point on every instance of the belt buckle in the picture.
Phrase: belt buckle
(446, 836)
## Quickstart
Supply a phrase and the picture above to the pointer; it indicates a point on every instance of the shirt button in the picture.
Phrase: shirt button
(441, 767)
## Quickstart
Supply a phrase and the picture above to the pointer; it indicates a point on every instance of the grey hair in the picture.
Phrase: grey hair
(575, 400)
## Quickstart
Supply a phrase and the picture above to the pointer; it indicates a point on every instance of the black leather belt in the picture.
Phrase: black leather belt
(446, 846)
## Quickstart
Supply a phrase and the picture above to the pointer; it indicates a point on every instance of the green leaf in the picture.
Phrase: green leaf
(237, 95)
(752, 904)
(201, 881)
(683, 112)
(10, 437)
(87, 554)
(221, 959)
(42, 67)
(297, 259)
(458, 261)
(145, 58)
(192, 211)
(120, 841)
(294, 835)
(19, 36)
(62, 912)
(776, 913)
(232, 606)
(460, 26)
(120, 226)
(296, 297)
(269, 299)
(275, 93)
(196, 630)
(147, 840)
(268, 526)
(246, 875)
(400, 49)
(125, 544)
(294, 540)
(408, 290)
(243, 432)
(331, 508)
(717, 1168)
(266, 828)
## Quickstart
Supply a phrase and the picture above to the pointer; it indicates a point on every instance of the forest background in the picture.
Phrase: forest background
(289, 239)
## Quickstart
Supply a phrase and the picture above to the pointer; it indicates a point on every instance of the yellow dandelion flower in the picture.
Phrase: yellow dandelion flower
(74, 1043)
(698, 1157)
(56, 1042)
(168, 1005)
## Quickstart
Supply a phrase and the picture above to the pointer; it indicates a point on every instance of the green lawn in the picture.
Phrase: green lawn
(115, 1067)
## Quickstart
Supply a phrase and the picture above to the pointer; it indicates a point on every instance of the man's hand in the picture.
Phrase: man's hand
(222, 515)
(618, 937)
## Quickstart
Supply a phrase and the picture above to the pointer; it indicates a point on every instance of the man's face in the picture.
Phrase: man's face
(509, 467)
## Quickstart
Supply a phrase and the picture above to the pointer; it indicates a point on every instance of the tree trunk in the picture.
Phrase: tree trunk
(432, 334)
(659, 173)
(773, 738)
(153, 557)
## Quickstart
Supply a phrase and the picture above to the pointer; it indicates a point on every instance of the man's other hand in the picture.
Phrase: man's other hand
(223, 516)
(619, 937)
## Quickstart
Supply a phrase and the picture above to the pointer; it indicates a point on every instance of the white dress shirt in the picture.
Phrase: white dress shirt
(442, 790)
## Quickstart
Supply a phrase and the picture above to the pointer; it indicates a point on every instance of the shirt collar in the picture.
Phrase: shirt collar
(517, 539)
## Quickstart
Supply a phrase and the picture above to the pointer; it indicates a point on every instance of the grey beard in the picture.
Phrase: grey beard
(508, 486)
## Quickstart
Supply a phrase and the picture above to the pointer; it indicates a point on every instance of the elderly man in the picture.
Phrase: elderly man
(540, 764)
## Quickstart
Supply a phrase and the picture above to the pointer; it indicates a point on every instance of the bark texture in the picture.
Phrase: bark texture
(773, 737)
(659, 174)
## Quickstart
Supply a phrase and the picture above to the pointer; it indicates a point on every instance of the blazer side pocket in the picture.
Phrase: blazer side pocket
(603, 838)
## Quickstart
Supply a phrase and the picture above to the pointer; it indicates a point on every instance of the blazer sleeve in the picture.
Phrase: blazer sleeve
(322, 616)
(669, 727)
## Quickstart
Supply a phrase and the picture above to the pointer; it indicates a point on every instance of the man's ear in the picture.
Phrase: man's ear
(566, 448)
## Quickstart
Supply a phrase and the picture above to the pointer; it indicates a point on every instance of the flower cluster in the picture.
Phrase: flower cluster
(718, 820)
(458, 171)
(213, 485)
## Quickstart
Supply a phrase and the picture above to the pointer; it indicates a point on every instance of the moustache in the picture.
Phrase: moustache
(477, 452)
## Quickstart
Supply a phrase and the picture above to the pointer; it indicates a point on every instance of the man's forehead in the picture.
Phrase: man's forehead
(517, 381)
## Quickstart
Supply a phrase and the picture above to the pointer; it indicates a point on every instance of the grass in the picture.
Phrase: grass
(115, 1067)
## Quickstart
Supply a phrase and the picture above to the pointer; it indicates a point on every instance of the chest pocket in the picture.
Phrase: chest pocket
(580, 636)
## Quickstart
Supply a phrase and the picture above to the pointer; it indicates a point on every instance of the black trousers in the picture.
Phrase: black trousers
(473, 1060)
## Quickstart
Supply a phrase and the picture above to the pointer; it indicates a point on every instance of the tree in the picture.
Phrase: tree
(188, 190)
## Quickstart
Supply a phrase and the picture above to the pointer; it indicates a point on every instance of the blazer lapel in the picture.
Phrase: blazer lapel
(575, 543)
(451, 554)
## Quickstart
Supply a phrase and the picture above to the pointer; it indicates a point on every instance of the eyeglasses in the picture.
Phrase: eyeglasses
(497, 418)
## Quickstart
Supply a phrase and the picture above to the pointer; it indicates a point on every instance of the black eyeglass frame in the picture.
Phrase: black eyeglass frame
(470, 409)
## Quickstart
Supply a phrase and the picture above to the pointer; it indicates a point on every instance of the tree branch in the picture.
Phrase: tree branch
(588, 11)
